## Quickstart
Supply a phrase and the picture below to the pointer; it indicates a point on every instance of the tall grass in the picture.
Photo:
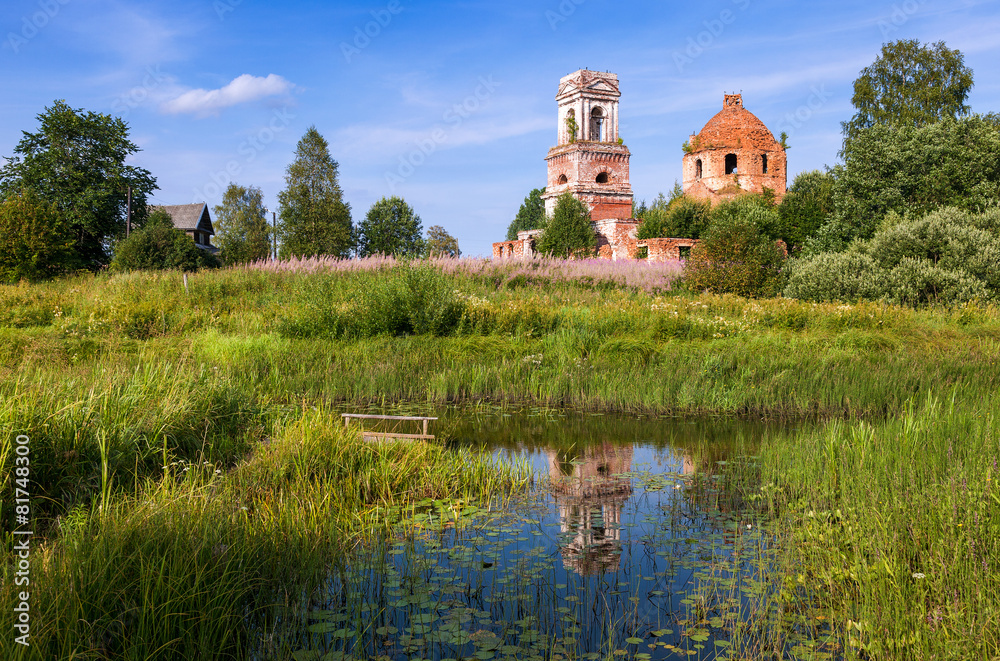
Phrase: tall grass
(195, 563)
(891, 531)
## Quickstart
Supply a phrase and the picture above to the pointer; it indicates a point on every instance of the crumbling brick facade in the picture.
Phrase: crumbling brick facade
(667, 250)
(734, 153)
(616, 239)
(523, 246)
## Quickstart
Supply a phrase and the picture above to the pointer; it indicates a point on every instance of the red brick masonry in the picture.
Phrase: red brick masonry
(666, 250)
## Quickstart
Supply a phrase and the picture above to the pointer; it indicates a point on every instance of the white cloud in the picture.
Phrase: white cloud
(243, 89)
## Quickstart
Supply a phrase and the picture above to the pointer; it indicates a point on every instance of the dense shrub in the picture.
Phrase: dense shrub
(160, 245)
(402, 300)
(738, 254)
(35, 240)
(682, 217)
(832, 276)
(949, 256)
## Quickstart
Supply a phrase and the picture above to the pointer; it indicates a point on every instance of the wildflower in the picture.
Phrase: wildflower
(919, 576)
(217, 471)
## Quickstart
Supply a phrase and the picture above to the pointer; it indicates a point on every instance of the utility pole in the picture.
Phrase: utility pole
(128, 212)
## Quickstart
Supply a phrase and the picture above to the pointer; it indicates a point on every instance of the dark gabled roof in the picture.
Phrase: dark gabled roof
(189, 217)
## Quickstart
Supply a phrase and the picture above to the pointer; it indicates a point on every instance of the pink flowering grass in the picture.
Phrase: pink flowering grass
(596, 273)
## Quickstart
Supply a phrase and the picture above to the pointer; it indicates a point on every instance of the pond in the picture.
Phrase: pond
(629, 546)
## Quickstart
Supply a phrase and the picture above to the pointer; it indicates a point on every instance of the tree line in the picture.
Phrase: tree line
(69, 202)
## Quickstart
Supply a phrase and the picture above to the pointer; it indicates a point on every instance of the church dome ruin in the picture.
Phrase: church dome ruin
(735, 152)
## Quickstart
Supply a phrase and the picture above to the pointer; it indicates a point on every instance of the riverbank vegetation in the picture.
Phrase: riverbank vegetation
(187, 457)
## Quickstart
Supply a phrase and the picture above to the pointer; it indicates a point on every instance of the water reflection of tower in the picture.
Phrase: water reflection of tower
(590, 491)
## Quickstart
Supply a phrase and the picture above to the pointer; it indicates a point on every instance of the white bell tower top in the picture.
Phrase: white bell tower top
(590, 98)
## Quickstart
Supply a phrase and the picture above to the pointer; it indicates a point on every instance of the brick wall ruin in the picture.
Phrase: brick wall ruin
(667, 250)
(616, 239)
(522, 247)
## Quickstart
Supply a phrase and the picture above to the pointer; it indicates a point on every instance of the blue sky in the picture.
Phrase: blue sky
(451, 104)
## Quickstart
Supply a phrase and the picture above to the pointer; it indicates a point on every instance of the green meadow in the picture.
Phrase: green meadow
(191, 482)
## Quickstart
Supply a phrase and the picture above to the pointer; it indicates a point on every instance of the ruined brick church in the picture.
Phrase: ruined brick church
(734, 153)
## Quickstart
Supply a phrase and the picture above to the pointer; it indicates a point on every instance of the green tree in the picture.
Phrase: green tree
(569, 233)
(440, 243)
(531, 215)
(910, 171)
(159, 245)
(76, 162)
(681, 217)
(805, 207)
(35, 241)
(738, 254)
(315, 220)
(241, 225)
(391, 227)
(910, 84)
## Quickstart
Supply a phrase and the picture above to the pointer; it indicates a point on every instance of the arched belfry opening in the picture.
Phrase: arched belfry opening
(597, 125)
(603, 178)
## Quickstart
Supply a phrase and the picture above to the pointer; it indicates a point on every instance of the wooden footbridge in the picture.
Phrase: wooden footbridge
(394, 436)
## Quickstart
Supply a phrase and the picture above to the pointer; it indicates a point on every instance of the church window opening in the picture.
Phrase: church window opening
(731, 164)
(697, 169)
(597, 125)
(764, 159)
(562, 179)
(603, 178)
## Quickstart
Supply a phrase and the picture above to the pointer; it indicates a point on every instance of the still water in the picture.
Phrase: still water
(628, 547)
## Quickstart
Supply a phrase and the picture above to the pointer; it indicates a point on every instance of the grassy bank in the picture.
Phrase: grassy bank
(185, 457)
(889, 534)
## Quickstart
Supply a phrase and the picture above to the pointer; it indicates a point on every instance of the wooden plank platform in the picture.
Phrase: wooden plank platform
(390, 435)
(383, 436)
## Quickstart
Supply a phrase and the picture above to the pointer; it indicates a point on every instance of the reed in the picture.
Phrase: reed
(889, 531)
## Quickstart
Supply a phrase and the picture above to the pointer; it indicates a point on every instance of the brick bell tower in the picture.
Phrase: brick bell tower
(589, 159)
